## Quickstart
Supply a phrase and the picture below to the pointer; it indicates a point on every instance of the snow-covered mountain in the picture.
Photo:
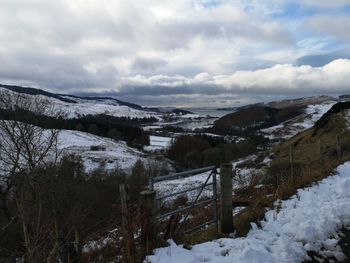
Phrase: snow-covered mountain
(73, 106)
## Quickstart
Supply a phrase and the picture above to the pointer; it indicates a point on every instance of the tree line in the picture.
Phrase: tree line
(117, 128)
(194, 151)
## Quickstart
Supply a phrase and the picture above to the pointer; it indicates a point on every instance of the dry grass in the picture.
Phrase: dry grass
(315, 156)
(205, 235)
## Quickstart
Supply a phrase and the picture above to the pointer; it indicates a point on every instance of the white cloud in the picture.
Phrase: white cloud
(39, 36)
(280, 79)
(168, 47)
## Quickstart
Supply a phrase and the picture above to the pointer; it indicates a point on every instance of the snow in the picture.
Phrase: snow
(86, 107)
(74, 110)
(298, 124)
(93, 150)
(308, 221)
(114, 154)
(158, 143)
(190, 116)
(347, 118)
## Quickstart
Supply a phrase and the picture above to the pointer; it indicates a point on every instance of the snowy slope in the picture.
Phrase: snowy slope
(85, 107)
(300, 123)
(308, 221)
(92, 149)
(72, 110)
(113, 154)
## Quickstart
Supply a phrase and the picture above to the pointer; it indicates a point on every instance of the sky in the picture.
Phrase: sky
(197, 53)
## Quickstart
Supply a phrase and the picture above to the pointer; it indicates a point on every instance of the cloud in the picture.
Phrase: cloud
(332, 78)
(204, 89)
(173, 48)
(325, 3)
(148, 63)
(69, 41)
(319, 60)
(282, 78)
(331, 25)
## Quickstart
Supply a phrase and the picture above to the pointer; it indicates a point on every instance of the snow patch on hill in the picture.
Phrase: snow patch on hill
(74, 110)
(347, 118)
(300, 123)
(308, 221)
(95, 150)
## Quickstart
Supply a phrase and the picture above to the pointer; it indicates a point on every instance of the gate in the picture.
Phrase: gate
(185, 211)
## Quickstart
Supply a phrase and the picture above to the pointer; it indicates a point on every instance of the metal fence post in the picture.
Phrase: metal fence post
(226, 217)
(149, 222)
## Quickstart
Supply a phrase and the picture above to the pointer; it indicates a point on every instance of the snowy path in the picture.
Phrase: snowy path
(308, 221)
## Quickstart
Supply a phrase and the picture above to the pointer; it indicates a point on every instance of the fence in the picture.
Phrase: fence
(195, 203)
(220, 201)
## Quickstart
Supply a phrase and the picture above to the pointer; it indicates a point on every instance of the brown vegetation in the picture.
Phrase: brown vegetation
(253, 118)
(299, 162)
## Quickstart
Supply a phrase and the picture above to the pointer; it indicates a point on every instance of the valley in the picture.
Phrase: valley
(107, 142)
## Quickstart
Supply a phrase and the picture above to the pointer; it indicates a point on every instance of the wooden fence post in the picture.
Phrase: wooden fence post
(149, 221)
(124, 206)
(226, 217)
(127, 231)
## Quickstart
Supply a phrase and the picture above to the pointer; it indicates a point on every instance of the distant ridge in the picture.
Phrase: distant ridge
(34, 91)
(299, 102)
(67, 98)
(103, 99)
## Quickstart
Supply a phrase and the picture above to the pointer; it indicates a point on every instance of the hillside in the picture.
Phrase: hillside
(330, 129)
(300, 102)
(74, 106)
(253, 118)
(300, 123)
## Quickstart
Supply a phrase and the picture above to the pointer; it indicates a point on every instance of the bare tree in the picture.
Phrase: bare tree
(24, 148)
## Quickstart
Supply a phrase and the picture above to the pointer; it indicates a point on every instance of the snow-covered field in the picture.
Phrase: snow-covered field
(158, 143)
(95, 150)
(308, 221)
(298, 124)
